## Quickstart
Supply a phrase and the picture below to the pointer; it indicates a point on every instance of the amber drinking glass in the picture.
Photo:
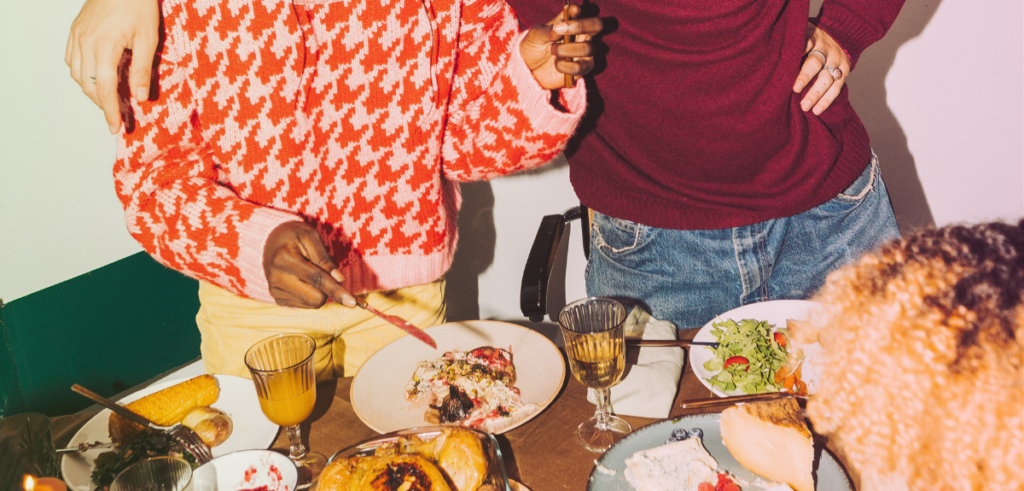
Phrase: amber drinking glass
(594, 333)
(282, 369)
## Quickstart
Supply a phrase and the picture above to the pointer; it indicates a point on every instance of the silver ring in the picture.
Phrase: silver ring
(93, 79)
(820, 55)
(835, 72)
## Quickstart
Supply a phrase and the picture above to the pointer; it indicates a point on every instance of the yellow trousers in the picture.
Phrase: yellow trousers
(345, 338)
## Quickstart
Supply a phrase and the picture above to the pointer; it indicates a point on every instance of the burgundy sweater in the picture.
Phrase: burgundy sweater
(693, 123)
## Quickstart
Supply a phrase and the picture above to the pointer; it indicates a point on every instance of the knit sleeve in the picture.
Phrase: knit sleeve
(167, 181)
(857, 24)
(500, 119)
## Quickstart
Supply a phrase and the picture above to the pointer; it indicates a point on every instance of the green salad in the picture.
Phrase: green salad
(748, 355)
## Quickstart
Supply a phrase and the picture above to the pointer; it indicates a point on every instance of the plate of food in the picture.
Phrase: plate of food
(234, 423)
(753, 352)
(486, 375)
(757, 446)
(468, 459)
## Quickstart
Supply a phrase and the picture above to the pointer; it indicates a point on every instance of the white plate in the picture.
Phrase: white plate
(252, 430)
(828, 473)
(378, 390)
(776, 312)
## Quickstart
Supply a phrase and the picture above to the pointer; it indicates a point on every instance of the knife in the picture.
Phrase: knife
(399, 323)
(717, 401)
(82, 447)
(682, 343)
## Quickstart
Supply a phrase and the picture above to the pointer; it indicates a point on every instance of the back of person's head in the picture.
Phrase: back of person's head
(922, 385)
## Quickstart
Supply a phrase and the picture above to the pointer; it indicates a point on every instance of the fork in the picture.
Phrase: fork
(187, 438)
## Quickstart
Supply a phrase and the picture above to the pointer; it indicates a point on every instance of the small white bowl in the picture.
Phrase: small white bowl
(245, 470)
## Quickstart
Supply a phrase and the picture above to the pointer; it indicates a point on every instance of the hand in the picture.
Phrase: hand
(299, 270)
(826, 88)
(549, 60)
(99, 36)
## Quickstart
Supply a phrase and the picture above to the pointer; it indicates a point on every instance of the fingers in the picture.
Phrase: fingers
(830, 94)
(300, 271)
(68, 48)
(811, 66)
(290, 291)
(139, 73)
(572, 50)
(105, 83)
(578, 67)
(823, 72)
(576, 27)
(298, 281)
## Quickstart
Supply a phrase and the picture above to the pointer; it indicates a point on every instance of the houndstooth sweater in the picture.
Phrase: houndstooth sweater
(356, 116)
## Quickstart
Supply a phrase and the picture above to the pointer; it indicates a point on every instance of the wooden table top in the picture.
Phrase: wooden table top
(543, 453)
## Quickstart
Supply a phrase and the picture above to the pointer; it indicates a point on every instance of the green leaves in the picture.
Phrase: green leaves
(754, 341)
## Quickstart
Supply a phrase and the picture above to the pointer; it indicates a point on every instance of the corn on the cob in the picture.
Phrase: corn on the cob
(165, 407)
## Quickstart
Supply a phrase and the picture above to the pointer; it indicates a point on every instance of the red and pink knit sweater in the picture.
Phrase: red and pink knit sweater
(354, 116)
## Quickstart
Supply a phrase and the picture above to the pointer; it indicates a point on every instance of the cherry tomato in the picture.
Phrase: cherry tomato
(780, 338)
(725, 484)
(735, 360)
(706, 486)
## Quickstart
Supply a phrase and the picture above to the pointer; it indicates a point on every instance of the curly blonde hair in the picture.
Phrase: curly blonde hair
(922, 386)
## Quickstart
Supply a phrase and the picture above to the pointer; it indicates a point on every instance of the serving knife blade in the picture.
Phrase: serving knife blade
(399, 323)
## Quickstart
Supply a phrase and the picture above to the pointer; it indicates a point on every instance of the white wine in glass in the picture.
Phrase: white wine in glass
(282, 369)
(594, 333)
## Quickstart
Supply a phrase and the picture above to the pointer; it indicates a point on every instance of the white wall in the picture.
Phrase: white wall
(941, 96)
(59, 216)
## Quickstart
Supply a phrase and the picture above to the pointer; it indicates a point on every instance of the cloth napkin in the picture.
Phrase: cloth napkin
(649, 387)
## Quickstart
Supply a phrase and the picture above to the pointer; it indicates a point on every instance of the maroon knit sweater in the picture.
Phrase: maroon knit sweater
(693, 123)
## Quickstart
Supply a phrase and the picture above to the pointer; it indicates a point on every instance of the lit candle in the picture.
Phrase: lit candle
(44, 484)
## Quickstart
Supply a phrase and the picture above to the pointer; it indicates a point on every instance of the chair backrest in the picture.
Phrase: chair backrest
(540, 264)
(108, 330)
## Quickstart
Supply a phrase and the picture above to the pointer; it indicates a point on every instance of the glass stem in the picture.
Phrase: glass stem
(297, 450)
(603, 415)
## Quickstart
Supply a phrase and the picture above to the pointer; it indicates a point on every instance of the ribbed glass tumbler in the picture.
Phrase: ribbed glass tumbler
(282, 369)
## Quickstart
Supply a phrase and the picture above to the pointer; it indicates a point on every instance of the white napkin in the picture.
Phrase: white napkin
(649, 388)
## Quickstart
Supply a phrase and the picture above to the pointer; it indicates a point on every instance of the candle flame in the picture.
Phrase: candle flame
(30, 483)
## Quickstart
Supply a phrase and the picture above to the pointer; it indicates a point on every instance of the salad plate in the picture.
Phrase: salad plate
(776, 312)
(608, 474)
(252, 430)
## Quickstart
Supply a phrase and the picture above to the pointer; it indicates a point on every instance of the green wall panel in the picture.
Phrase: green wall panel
(108, 330)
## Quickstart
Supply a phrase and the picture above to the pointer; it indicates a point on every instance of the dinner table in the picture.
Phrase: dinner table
(543, 453)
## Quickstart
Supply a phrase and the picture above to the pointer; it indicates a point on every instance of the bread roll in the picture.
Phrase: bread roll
(212, 425)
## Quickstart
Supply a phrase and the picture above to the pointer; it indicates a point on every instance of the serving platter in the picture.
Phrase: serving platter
(776, 312)
(251, 429)
(378, 389)
(608, 474)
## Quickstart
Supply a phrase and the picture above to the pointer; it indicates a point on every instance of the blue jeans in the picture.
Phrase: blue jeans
(690, 276)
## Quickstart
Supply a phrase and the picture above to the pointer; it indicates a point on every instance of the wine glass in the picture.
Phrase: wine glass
(594, 333)
(282, 369)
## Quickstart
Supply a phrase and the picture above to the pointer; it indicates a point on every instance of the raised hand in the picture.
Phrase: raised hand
(550, 60)
(98, 38)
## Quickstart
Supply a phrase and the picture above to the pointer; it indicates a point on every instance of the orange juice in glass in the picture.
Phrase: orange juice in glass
(282, 369)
